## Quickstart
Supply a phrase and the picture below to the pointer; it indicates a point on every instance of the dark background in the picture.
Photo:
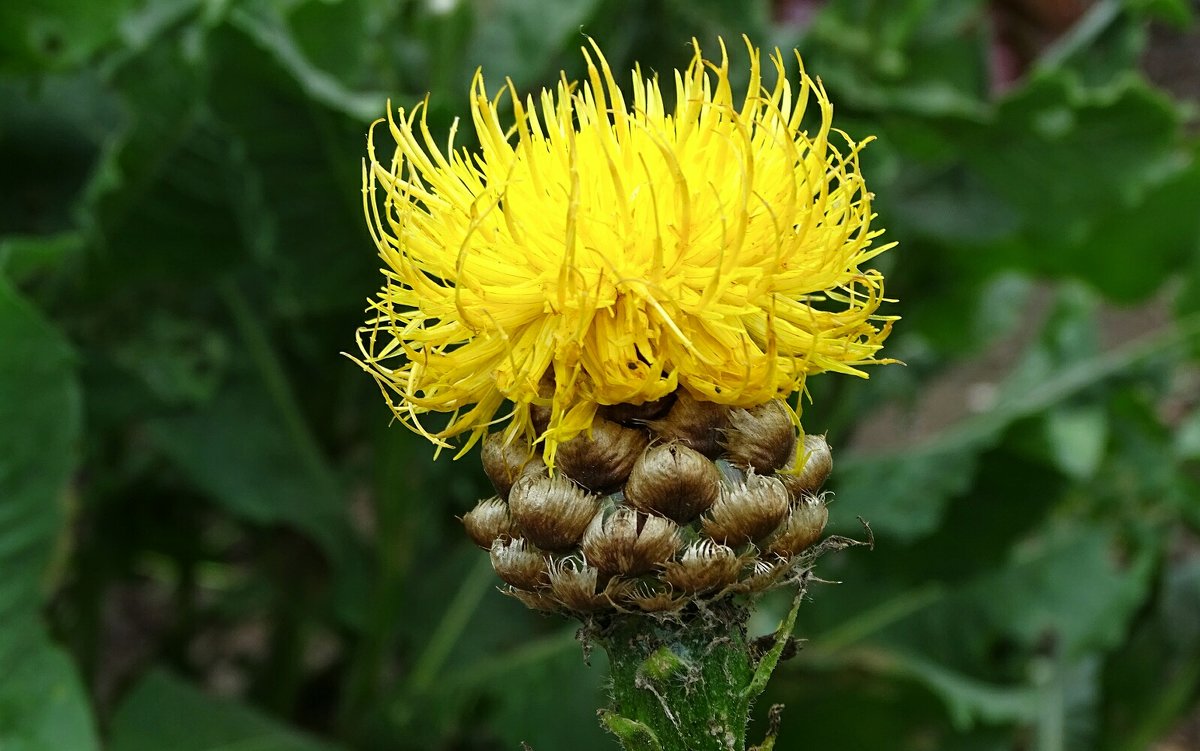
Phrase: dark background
(210, 537)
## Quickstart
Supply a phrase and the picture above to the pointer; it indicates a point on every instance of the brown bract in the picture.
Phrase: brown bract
(674, 481)
(762, 438)
(576, 585)
(602, 459)
(504, 463)
(803, 526)
(628, 542)
(552, 512)
(818, 463)
(694, 424)
(704, 566)
(633, 415)
(748, 511)
(489, 521)
(519, 563)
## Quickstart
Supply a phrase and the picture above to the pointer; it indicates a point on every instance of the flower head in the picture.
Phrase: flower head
(599, 251)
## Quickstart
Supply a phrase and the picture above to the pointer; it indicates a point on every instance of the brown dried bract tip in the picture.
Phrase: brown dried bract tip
(762, 575)
(602, 460)
(694, 423)
(504, 464)
(551, 512)
(627, 542)
(673, 481)
(540, 414)
(747, 512)
(763, 438)
(650, 599)
(539, 599)
(803, 526)
(519, 564)
(818, 464)
(489, 521)
(704, 566)
(574, 584)
(632, 415)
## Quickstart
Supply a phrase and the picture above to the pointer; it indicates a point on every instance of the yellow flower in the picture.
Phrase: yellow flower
(602, 251)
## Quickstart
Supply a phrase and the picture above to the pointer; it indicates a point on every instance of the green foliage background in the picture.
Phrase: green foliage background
(210, 538)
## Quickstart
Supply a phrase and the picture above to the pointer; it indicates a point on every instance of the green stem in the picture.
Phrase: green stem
(454, 622)
(262, 353)
(687, 685)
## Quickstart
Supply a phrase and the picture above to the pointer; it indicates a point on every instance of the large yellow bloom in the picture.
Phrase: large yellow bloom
(598, 251)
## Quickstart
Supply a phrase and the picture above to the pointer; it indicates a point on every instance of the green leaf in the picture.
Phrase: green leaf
(1187, 437)
(904, 492)
(50, 135)
(1178, 12)
(165, 712)
(26, 256)
(238, 450)
(272, 36)
(968, 699)
(162, 175)
(294, 169)
(522, 40)
(39, 429)
(922, 57)
(1039, 156)
(1077, 437)
(42, 705)
(904, 495)
(1154, 676)
(1069, 587)
(56, 34)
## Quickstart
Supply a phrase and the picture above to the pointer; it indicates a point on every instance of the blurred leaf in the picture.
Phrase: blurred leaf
(165, 712)
(1187, 438)
(1077, 438)
(55, 34)
(50, 135)
(1064, 596)
(522, 40)
(161, 176)
(1102, 45)
(524, 693)
(967, 699)
(948, 202)
(1178, 12)
(1156, 673)
(1162, 230)
(904, 492)
(340, 38)
(1047, 134)
(26, 256)
(922, 57)
(1068, 712)
(1069, 592)
(42, 704)
(271, 35)
(750, 17)
(179, 360)
(296, 168)
(238, 450)
(903, 495)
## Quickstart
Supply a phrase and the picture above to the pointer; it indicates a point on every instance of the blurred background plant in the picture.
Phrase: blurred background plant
(210, 537)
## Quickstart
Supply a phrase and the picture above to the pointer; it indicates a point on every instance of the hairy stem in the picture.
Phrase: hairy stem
(686, 685)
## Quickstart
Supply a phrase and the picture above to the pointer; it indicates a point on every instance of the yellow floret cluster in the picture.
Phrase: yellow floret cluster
(596, 250)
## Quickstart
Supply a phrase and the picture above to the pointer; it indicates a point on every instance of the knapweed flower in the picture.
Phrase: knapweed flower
(598, 250)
